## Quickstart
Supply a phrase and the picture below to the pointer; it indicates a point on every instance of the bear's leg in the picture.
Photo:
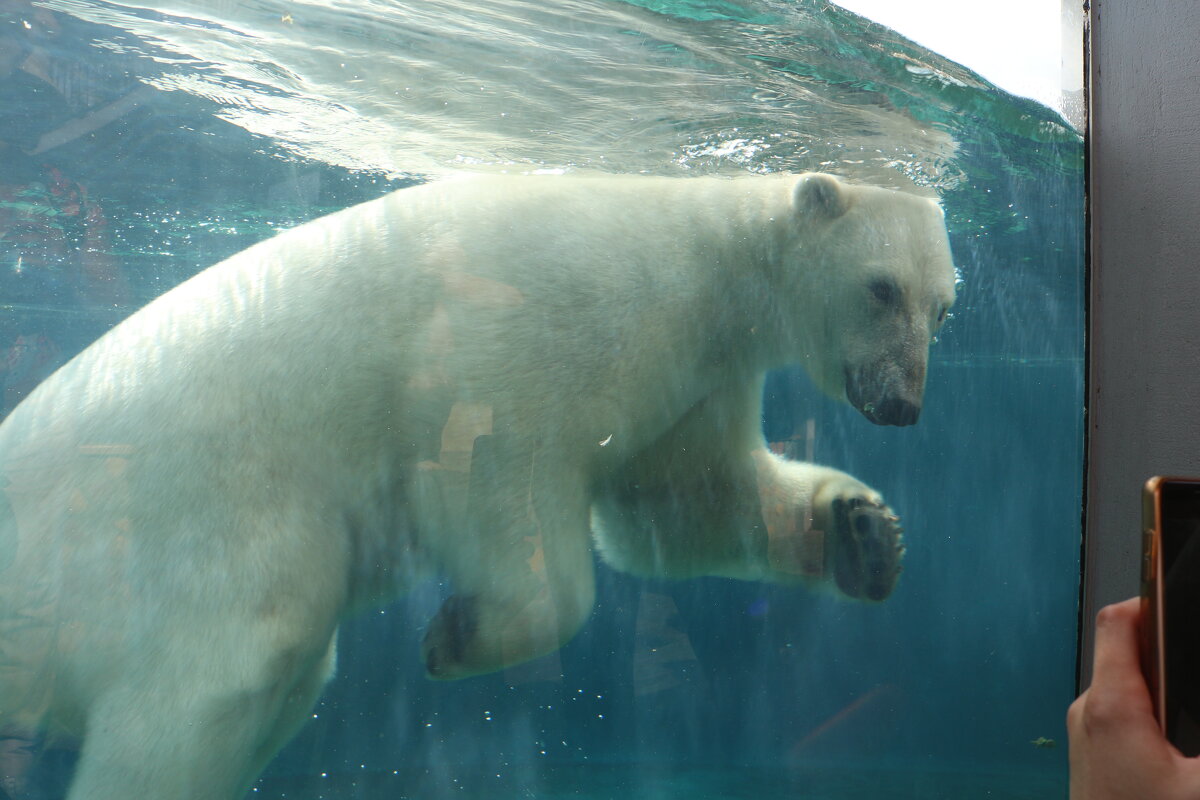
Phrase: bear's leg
(297, 707)
(709, 499)
(523, 577)
(189, 736)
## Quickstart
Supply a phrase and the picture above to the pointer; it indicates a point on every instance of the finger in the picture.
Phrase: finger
(1117, 680)
(1075, 713)
(1116, 652)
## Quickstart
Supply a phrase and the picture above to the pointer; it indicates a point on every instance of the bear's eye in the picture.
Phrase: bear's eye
(885, 291)
(943, 312)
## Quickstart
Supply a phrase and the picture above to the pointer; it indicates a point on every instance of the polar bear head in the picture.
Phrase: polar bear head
(878, 281)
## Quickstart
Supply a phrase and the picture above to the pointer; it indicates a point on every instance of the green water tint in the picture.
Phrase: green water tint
(976, 647)
(672, 782)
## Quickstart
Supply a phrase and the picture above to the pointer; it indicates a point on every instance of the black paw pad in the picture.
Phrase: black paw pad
(869, 549)
(450, 634)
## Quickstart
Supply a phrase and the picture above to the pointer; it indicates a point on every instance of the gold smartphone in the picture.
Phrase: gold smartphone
(1171, 606)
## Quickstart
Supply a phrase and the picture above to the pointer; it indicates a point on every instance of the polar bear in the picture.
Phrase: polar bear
(478, 378)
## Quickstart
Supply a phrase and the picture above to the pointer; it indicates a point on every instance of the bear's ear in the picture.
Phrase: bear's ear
(820, 195)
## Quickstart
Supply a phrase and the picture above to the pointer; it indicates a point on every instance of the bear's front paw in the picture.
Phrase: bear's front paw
(868, 547)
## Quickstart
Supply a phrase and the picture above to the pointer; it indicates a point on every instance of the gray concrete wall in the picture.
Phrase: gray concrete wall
(1144, 395)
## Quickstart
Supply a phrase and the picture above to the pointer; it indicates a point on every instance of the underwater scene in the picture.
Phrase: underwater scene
(618, 456)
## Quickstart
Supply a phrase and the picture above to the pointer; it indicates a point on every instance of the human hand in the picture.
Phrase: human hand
(1117, 750)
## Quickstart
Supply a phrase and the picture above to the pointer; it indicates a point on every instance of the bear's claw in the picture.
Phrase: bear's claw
(868, 549)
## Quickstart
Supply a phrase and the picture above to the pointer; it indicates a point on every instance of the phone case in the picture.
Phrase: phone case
(1152, 640)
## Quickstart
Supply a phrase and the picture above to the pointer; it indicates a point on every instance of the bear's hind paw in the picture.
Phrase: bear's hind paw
(447, 642)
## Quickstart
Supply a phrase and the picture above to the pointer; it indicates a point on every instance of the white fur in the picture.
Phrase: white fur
(465, 378)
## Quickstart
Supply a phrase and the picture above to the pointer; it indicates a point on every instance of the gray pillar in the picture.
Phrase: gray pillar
(1144, 377)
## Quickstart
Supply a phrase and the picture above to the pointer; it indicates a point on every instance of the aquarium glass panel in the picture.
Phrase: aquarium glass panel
(588, 398)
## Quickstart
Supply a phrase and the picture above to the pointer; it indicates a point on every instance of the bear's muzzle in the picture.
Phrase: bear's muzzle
(888, 394)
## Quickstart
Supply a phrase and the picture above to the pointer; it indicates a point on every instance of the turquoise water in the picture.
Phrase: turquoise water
(671, 781)
(223, 122)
